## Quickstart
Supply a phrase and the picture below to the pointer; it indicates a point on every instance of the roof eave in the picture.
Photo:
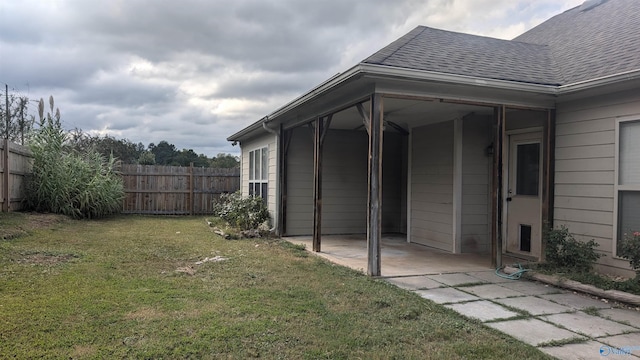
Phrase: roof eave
(598, 82)
(393, 72)
(424, 75)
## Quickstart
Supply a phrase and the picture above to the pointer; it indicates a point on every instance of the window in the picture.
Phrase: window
(259, 172)
(528, 169)
(628, 182)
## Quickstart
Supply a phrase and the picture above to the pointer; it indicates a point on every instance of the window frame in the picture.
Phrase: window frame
(617, 187)
(259, 172)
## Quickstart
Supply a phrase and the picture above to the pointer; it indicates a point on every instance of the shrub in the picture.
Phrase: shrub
(630, 249)
(245, 213)
(69, 183)
(563, 251)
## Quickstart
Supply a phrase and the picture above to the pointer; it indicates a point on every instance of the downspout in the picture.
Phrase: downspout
(265, 120)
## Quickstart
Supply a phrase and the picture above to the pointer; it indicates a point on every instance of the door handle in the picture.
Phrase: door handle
(509, 198)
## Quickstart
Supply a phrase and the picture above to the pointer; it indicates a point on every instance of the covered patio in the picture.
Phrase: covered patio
(399, 257)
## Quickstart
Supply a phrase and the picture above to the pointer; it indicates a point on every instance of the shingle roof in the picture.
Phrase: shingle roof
(574, 46)
(449, 52)
(587, 44)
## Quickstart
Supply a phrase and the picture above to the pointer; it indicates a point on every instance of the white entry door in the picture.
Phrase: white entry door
(524, 194)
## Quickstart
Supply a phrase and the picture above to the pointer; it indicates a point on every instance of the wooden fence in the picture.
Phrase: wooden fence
(154, 189)
(15, 164)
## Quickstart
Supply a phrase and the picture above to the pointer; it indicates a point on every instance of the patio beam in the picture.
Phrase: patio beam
(374, 197)
(365, 119)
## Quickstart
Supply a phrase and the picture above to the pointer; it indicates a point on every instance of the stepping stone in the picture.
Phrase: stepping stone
(578, 302)
(535, 306)
(414, 282)
(589, 325)
(488, 276)
(629, 343)
(446, 295)
(491, 291)
(530, 288)
(455, 279)
(482, 310)
(533, 331)
(625, 316)
(587, 350)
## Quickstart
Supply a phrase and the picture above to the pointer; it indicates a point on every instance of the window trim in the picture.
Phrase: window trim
(617, 188)
(257, 161)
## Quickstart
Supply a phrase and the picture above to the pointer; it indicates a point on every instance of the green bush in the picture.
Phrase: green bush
(245, 213)
(562, 251)
(69, 183)
(629, 249)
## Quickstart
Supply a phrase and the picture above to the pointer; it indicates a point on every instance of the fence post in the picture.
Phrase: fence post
(5, 174)
(191, 189)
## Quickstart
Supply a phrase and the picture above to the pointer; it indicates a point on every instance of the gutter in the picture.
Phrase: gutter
(601, 81)
(412, 74)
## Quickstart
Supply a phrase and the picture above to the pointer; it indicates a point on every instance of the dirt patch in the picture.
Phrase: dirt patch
(44, 221)
(15, 225)
(145, 313)
(46, 259)
(83, 351)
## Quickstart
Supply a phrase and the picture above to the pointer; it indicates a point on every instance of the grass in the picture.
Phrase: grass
(110, 289)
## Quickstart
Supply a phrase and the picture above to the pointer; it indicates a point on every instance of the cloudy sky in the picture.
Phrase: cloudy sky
(194, 72)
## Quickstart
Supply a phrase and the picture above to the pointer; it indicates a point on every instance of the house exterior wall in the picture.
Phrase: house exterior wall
(269, 141)
(476, 184)
(432, 185)
(585, 170)
(344, 183)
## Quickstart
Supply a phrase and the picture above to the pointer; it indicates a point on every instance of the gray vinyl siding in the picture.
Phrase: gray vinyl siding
(344, 183)
(585, 169)
(432, 185)
(476, 184)
(268, 141)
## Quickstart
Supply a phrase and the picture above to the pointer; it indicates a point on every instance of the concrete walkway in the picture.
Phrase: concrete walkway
(560, 323)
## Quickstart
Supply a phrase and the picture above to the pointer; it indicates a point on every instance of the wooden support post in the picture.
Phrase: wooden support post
(191, 192)
(6, 206)
(374, 199)
(285, 140)
(548, 171)
(496, 203)
(317, 184)
(365, 118)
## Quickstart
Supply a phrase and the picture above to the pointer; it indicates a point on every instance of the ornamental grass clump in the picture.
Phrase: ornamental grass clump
(66, 182)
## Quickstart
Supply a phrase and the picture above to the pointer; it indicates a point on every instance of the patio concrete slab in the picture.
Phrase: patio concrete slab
(414, 282)
(491, 291)
(581, 351)
(446, 295)
(625, 316)
(535, 306)
(533, 331)
(398, 257)
(628, 343)
(489, 276)
(576, 301)
(483, 310)
(530, 287)
(589, 325)
(455, 279)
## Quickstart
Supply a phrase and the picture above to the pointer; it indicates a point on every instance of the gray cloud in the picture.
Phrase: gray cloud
(193, 72)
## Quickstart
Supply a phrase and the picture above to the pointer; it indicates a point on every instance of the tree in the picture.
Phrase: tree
(227, 161)
(164, 152)
(147, 158)
(20, 122)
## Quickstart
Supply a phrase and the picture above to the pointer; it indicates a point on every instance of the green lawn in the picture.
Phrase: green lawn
(111, 289)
